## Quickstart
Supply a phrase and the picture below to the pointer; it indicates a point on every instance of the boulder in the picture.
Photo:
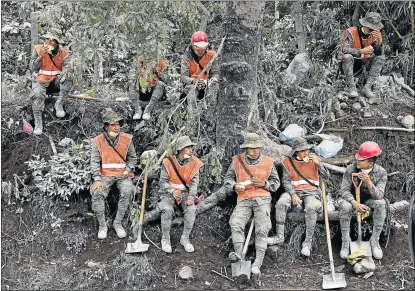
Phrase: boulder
(186, 273)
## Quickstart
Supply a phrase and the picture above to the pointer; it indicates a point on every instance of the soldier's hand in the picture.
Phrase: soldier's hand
(239, 187)
(367, 50)
(365, 178)
(316, 159)
(376, 33)
(212, 80)
(177, 194)
(258, 182)
(189, 202)
(97, 186)
(295, 199)
(360, 207)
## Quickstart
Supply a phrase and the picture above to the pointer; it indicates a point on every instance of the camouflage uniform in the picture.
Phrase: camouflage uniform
(352, 56)
(260, 206)
(312, 203)
(124, 184)
(148, 99)
(372, 197)
(189, 83)
(167, 204)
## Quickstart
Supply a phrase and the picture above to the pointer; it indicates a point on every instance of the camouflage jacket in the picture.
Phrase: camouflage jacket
(35, 61)
(348, 45)
(378, 176)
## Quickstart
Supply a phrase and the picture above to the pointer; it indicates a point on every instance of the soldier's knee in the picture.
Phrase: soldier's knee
(235, 223)
(379, 204)
(191, 209)
(166, 208)
(315, 206)
(348, 58)
(285, 200)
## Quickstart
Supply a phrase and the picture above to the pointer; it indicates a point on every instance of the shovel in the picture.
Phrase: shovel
(243, 267)
(333, 280)
(138, 246)
(363, 247)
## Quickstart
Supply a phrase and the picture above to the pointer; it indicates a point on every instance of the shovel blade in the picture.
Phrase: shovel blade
(363, 248)
(241, 268)
(339, 281)
(136, 247)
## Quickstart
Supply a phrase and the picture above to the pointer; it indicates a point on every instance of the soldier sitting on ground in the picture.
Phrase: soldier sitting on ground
(147, 85)
(113, 159)
(300, 181)
(372, 191)
(362, 46)
(179, 179)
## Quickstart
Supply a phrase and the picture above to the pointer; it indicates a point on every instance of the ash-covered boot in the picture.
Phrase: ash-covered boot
(280, 215)
(374, 73)
(103, 229)
(260, 254)
(379, 215)
(185, 242)
(59, 108)
(138, 113)
(310, 224)
(37, 114)
(347, 65)
(236, 255)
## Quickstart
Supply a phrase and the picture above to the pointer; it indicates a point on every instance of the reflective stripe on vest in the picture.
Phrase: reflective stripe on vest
(357, 42)
(194, 68)
(111, 162)
(49, 73)
(48, 70)
(262, 170)
(187, 172)
(308, 169)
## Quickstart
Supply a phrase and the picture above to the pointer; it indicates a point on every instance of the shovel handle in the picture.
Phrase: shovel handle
(245, 249)
(326, 221)
(143, 196)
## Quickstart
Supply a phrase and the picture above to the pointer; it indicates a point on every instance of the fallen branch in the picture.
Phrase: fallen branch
(372, 128)
(222, 275)
(338, 161)
(52, 144)
(403, 85)
(334, 168)
(84, 97)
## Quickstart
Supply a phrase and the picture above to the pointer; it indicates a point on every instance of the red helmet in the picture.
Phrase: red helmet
(368, 149)
(200, 39)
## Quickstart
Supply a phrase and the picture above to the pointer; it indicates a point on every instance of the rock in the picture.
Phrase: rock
(367, 114)
(340, 113)
(385, 116)
(407, 121)
(373, 100)
(66, 142)
(186, 273)
(297, 69)
(362, 101)
(343, 105)
(357, 106)
(339, 268)
(364, 266)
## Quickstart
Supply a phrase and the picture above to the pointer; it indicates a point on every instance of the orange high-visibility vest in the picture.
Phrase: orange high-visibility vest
(357, 42)
(161, 66)
(261, 170)
(195, 69)
(111, 162)
(308, 169)
(187, 172)
(48, 71)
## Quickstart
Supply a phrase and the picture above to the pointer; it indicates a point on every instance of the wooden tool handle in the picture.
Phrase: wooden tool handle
(245, 249)
(143, 197)
(326, 221)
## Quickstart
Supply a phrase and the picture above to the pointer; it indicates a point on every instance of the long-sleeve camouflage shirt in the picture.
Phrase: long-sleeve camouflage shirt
(272, 184)
(185, 70)
(348, 44)
(378, 176)
(36, 60)
(323, 173)
(131, 158)
(165, 186)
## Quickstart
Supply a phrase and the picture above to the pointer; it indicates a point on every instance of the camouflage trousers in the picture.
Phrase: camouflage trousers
(40, 90)
(312, 206)
(261, 209)
(126, 188)
(373, 65)
(166, 205)
(346, 212)
(156, 93)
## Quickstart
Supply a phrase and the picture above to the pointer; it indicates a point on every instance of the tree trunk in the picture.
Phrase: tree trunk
(299, 29)
(356, 14)
(237, 109)
(276, 13)
(95, 80)
(205, 16)
(34, 34)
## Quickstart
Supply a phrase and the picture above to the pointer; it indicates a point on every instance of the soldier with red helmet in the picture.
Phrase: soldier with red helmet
(372, 191)
(195, 59)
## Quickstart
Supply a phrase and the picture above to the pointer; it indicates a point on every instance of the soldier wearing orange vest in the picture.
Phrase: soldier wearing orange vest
(254, 196)
(147, 85)
(196, 57)
(47, 63)
(179, 179)
(362, 46)
(113, 159)
(301, 179)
